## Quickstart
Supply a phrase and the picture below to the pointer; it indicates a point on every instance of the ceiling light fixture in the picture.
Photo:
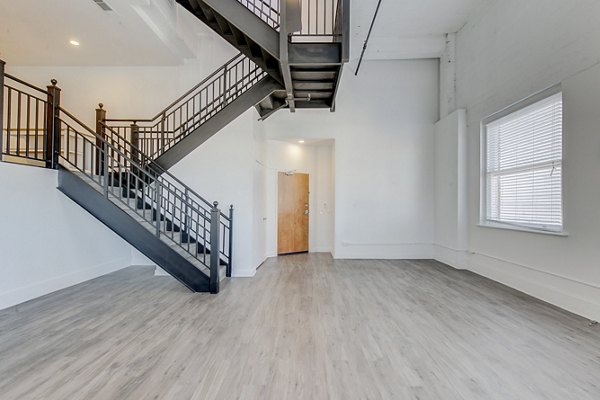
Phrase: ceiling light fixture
(74, 42)
(301, 141)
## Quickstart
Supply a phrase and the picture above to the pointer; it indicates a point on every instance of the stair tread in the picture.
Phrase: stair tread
(170, 240)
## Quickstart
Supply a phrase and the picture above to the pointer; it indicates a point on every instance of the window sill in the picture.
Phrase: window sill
(496, 225)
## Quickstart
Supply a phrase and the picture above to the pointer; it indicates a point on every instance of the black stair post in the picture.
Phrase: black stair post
(101, 132)
(215, 254)
(53, 126)
(2, 63)
(229, 265)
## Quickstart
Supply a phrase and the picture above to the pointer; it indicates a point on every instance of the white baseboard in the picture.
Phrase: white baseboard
(321, 250)
(37, 289)
(243, 274)
(577, 297)
(455, 258)
(384, 251)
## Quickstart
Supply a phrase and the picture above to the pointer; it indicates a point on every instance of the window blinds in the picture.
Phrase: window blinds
(524, 166)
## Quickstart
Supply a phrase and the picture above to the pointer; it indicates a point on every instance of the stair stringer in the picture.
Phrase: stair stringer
(220, 120)
(239, 16)
(131, 231)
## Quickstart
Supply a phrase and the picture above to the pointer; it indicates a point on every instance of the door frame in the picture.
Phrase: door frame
(308, 235)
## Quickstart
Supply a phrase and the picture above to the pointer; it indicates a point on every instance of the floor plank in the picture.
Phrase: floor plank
(306, 327)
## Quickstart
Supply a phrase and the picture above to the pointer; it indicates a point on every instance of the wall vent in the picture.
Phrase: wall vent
(102, 4)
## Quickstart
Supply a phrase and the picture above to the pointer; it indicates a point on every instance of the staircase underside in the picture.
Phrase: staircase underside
(259, 91)
(315, 68)
(132, 231)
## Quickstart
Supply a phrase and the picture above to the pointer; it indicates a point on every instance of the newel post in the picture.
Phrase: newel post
(2, 64)
(53, 128)
(101, 132)
(215, 222)
(230, 263)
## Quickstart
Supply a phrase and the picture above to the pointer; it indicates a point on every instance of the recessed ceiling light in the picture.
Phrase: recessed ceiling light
(300, 141)
(74, 42)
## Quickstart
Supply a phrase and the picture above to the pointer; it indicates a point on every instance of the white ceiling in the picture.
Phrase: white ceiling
(137, 32)
(407, 29)
(153, 32)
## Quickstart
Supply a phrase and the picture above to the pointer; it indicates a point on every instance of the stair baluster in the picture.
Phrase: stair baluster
(215, 225)
(2, 66)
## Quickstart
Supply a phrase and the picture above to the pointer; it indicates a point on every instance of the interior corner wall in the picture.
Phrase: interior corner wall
(509, 50)
(383, 129)
(48, 241)
(451, 227)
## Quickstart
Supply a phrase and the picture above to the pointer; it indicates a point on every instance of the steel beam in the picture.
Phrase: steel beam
(284, 55)
(252, 26)
(213, 125)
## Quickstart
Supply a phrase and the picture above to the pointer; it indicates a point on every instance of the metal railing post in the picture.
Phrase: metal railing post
(135, 141)
(345, 30)
(230, 264)
(187, 223)
(2, 64)
(225, 73)
(105, 166)
(101, 132)
(53, 131)
(157, 200)
(162, 132)
(215, 222)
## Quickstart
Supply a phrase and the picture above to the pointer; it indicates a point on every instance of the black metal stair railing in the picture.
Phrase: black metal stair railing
(321, 20)
(267, 10)
(157, 135)
(201, 232)
(128, 183)
(174, 185)
(34, 127)
(24, 115)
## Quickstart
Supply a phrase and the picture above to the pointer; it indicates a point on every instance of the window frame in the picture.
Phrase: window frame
(483, 195)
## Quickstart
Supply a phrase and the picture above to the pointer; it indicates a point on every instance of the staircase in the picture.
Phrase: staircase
(152, 210)
(291, 57)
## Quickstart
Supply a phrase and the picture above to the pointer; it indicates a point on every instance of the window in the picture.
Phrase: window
(523, 164)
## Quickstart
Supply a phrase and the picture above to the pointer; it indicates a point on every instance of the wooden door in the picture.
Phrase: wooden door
(292, 225)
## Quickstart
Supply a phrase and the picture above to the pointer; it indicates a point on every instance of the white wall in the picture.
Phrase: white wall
(511, 49)
(48, 242)
(316, 161)
(222, 170)
(126, 92)
(323, 208)
(260, 196)
(451, 225)
(383, 130)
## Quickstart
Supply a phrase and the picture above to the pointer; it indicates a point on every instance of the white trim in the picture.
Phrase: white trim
(570, 294)
(520, 104)
(484, 174)
(458, 259)
(385, 251)
(520, 228)
(38, 289)
(243, 273)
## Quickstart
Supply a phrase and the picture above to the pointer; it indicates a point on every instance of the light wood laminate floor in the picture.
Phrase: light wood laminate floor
(306, 327)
